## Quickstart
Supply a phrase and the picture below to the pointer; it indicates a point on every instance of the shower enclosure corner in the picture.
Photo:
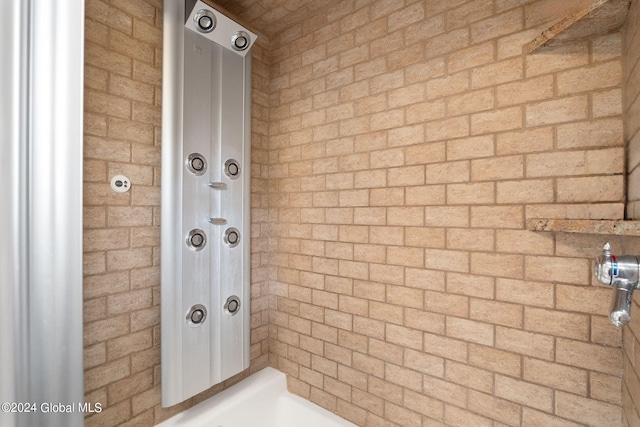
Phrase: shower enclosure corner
(206, 150)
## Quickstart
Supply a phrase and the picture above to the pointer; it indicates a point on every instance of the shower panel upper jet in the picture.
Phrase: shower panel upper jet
(206, 161)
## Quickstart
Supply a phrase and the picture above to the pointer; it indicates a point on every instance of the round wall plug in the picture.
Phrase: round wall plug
(120, 184)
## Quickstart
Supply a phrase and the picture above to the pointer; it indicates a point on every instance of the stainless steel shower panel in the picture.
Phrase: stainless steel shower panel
(206, 122)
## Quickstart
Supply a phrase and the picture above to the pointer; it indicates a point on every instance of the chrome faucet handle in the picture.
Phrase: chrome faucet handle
(623, 274)
(615, 270)
(621, 305)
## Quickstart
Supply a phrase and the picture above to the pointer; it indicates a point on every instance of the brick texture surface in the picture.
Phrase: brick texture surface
(631, 102)
(426, 141)
(398, 148)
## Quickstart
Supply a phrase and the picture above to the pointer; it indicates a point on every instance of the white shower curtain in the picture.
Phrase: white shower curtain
(41, 79)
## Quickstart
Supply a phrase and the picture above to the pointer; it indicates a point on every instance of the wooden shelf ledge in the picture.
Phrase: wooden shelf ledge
(598, 18)
(586, 226)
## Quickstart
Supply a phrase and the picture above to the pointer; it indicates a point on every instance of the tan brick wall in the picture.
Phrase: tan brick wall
(123, 73)
(398, 148)
(631, 333)
(409, 143)
(631, 106)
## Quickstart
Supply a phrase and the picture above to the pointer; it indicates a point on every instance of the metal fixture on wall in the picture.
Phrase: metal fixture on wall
(622, 273)
(206, 151)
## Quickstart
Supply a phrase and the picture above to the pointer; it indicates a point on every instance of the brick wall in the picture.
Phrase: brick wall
(409, 143)
(631, 106)
(398, 149)
(631, 334)
(123, 73)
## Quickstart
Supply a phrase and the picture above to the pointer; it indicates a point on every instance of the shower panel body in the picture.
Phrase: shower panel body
(205, 199)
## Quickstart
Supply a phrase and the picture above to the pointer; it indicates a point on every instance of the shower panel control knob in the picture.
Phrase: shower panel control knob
(622, 273)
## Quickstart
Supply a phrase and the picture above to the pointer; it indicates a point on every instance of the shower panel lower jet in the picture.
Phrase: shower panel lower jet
(206, 160)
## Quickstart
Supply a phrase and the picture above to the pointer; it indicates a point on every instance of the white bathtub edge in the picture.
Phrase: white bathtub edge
(268, 380)
(260, 400)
